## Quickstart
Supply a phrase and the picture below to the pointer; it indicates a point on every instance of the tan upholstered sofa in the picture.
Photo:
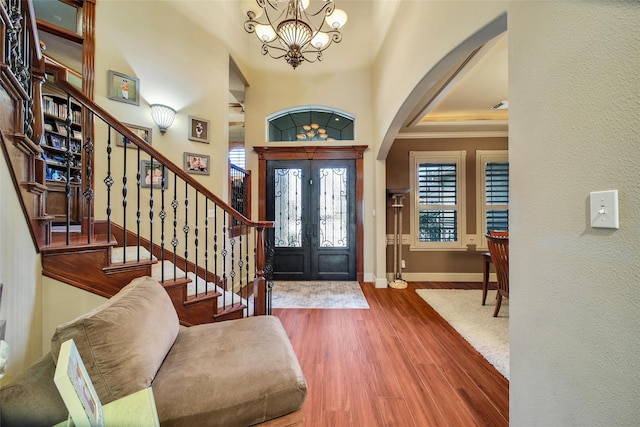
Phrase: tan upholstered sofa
(235, 373)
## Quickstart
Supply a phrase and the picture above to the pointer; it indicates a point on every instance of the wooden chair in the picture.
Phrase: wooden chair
(486, 261)
(499, 250)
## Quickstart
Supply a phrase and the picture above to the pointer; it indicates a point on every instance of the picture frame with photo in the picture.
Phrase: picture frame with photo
(152, 174)
(143, 132)
(76, 388)
(196, 163)
(123, 88)
(198, 129)
(56, 141)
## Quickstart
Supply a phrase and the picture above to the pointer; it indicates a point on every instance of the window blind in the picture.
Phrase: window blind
(437, 184)
(497, 193)
(437, 188)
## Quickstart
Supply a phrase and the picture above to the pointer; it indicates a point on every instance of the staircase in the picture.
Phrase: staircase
(210, 258)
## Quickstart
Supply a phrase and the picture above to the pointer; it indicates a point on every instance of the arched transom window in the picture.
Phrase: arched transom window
(310, 124)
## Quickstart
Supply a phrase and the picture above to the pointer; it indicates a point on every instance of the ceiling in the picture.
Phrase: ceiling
(472, 100)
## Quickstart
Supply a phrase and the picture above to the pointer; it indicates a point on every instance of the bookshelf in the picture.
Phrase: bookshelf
(58, 139)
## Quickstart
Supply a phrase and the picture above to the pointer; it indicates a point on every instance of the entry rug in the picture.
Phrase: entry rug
(464, 311)
(318, 295)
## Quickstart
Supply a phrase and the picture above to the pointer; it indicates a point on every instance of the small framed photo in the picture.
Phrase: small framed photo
(56, 141)
(143, 132)
(198, 129)
(152, 174)
(124, 88)
(196, 163)
(62, 129)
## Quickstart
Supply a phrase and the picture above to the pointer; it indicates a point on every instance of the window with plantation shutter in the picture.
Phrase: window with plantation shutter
(493, 189)
(438, 195)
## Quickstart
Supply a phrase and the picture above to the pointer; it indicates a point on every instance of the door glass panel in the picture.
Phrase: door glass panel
(333, 207)
(288, 207)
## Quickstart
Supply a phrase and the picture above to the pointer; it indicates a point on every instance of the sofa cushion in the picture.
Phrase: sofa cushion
(234, 373)
(123, 341)
(31, 398)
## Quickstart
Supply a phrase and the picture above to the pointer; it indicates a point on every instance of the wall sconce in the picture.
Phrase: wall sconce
(162, 116)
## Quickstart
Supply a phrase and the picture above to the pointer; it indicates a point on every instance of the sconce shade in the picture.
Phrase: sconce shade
(162, 116)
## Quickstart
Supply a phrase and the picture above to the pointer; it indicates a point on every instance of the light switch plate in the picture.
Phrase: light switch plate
(604, 209)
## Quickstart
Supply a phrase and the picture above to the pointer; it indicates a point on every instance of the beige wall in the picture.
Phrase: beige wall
(347, 91)
(179, 65)
(574, 96)
(573, 129)
(20, 273)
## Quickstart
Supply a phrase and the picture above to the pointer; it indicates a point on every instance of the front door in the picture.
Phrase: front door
(312, 203)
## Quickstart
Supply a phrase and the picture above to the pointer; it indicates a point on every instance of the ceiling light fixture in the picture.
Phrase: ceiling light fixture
(288, 31)
(313, 132)
(162, 116)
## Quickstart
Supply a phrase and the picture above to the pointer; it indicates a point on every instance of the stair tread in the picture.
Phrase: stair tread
(77, 241)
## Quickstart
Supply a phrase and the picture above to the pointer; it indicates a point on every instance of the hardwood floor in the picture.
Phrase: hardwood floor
(397, 364)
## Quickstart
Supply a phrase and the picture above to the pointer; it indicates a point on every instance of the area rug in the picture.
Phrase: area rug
(463, 310)
(318, 295)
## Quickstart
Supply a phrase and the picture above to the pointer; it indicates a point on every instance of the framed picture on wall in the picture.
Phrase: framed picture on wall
(198, 129)
(196, 163)
(143, 132)
(152, 174)
(124, 88)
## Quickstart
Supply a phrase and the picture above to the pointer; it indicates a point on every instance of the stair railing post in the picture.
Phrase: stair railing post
(260, 283)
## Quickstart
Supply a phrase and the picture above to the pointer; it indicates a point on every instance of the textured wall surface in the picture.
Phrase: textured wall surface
(574, 128)
(20, 273)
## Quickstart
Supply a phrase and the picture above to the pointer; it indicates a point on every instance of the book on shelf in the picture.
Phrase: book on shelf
(76, 389)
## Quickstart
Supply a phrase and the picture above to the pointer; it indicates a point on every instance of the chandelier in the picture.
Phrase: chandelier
(288, 31)
(313, 132)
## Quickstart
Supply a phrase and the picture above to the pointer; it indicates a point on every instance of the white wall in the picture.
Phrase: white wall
(574, 125)
(20, 273)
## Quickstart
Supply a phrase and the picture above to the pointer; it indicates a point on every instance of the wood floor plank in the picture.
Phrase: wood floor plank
(397, 364)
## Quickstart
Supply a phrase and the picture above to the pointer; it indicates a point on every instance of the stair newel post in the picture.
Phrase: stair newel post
(260, 282)
(138, 212)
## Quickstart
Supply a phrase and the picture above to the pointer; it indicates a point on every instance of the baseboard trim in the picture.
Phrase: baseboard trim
(443, 277)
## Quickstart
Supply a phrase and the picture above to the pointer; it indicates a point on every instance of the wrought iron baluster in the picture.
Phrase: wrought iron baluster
(124, 205)
(224, 259)
(87, 180)
(151, 213)
(108, 181)
(174, 241)
(206, 242)
(196, 242)
(163, 216)
(215, 244)
(186, 230)
(68, 161)
(138, 211)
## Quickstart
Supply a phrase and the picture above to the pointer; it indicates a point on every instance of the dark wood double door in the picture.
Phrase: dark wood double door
(313, 206)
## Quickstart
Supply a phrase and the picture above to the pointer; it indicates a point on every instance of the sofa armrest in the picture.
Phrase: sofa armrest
(31, 398)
